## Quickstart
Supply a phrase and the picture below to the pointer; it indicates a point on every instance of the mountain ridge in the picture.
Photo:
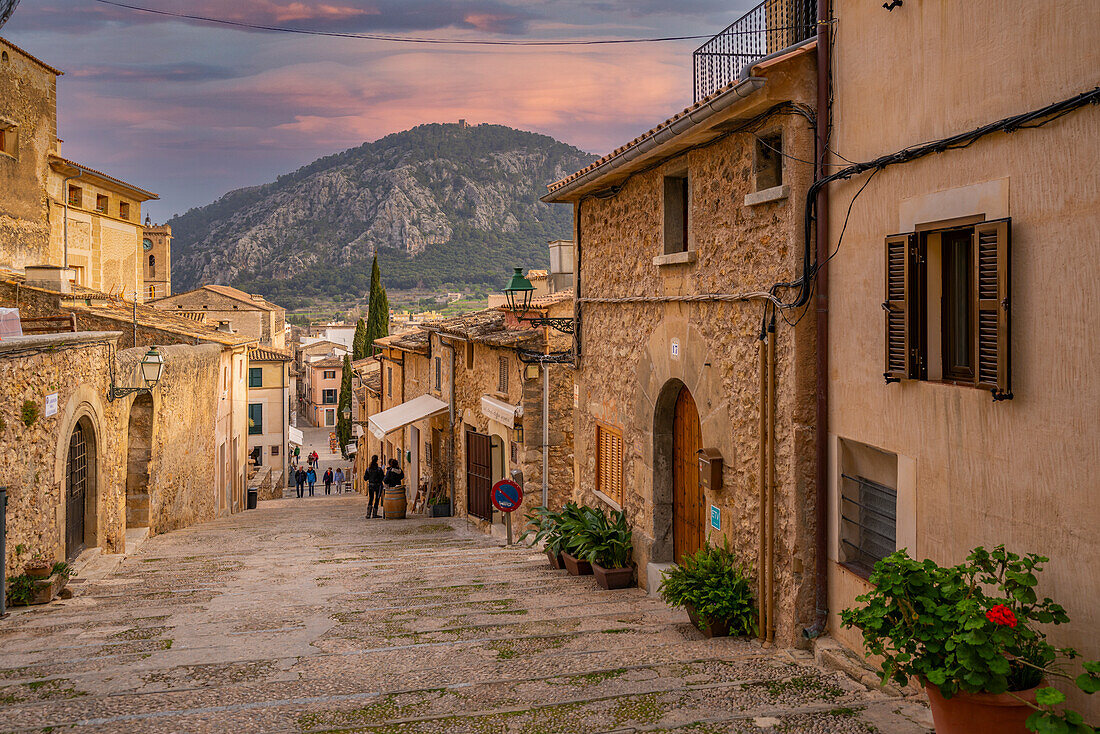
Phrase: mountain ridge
(441, 203)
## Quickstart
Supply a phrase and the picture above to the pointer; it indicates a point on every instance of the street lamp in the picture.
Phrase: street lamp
(152, 368)
(346, 412)
(518, 296)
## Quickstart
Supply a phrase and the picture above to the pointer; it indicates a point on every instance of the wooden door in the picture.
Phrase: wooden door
(76, 491)
(688, 510)
(479, 468)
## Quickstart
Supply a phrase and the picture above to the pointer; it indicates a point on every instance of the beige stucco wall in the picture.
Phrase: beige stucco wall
(28, 99)
(273, 396)
(629, 376)
(1019, 472)
(231, 431)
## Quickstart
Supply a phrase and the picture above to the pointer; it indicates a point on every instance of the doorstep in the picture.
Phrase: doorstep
(653, 572)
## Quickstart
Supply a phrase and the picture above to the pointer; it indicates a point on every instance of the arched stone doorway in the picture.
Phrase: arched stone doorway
(139, 436)
(679, 507)
(80, 489)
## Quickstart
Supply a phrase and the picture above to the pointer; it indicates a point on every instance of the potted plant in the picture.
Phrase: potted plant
(572, 526)
(970, 634)
(439, 506)
(714, 590)
(607, 546)
(545, 524)
(39, 566)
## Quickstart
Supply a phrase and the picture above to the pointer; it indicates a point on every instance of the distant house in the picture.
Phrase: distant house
(248, 314)
(269, 410)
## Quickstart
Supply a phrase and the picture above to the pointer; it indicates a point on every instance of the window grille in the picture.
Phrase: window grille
(868, 516)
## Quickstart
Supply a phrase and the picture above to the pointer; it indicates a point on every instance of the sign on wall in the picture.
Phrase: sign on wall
(715, 518)
(51, 404)
(675, 348)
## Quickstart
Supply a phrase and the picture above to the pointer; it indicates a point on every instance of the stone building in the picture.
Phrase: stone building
(85, 471)
(322, 389)
(685, 418)
(269, 411)
(461, 409)
(54, 211)
(978, 424)
(249, 314)
(156, 246)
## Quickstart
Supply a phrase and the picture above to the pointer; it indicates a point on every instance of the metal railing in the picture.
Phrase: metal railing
(771, 26)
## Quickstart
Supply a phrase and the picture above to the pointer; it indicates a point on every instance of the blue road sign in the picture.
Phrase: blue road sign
(507, 495)
(715, 518)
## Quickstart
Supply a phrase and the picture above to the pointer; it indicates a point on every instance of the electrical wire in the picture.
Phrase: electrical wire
(406, 39)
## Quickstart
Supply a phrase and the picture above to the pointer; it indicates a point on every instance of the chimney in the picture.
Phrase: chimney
(224, 326)
(561, 265)
(50, 277)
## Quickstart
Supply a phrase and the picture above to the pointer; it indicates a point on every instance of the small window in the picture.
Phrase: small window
(502, 374)
(328, 397)
(9, 138)
(152, 265)
(275, 450)
(76, 196)
(469, 355)
(124, 209)
(609, 463)
(4, 57)
(329, 375)
(101, 203)
(255, 419)
(769, 161)
(389, 382)
(255, 376)
(438, 373)
(868, 522)
(677, 213)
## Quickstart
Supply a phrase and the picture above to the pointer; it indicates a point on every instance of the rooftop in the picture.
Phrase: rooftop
(267, 354)
(327, 363)
(68, 167)
(254, 301)
(32, 57)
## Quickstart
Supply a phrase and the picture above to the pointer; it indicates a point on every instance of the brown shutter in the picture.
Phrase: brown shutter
(992, 241)
(901, 346)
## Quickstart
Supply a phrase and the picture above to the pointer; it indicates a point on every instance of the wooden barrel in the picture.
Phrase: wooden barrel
(393, 503)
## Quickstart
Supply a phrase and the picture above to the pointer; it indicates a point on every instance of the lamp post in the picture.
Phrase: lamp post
(152, 368)
(518, 296)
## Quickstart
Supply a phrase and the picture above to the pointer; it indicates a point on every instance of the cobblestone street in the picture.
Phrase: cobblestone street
(302, 616)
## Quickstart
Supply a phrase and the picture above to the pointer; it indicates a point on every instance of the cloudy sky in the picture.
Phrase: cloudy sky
(192, 110)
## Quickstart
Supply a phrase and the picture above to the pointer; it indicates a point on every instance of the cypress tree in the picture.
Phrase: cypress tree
(378, 310)
(343, 425)
(359, 341)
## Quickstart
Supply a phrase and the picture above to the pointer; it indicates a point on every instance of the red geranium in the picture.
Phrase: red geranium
(1001, 615)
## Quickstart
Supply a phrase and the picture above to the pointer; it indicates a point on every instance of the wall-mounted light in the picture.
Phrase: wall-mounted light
(152, 368)
(518, 432)
(518, 296)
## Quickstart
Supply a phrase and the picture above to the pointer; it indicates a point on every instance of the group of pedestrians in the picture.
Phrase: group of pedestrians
(376, 478)
(304, 477)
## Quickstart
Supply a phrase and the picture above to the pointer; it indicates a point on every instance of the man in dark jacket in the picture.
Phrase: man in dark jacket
(373, 477)
(300, 480)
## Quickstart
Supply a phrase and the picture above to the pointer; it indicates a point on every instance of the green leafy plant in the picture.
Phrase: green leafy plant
(30, 412)
(61, 569)
(576, 526)
(20, 590)
(605, 540)
(543, 526)
(971, 627)
(716, 586)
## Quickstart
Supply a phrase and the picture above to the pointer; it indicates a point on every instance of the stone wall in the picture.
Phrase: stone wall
(28, 99)
(631, 372)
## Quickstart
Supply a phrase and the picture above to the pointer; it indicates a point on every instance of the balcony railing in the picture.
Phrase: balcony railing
(771, 26)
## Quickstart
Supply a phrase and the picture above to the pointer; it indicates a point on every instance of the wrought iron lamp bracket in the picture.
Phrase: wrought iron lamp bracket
(565, 325)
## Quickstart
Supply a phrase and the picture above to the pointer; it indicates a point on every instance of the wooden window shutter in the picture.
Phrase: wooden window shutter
(502, 377)
(992, 242)
(902, 350)
(609, 464)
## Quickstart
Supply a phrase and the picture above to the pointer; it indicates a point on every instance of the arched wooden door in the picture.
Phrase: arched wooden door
(76, 491)
(688, 511)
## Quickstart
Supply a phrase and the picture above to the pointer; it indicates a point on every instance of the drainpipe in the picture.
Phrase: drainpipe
(821, 330)
(65, 220)
(771, 484)
(451, 415)
(762, 491)
(546, 424)
(577, 286)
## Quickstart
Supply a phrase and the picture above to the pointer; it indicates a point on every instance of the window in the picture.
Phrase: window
(868, 522)
(438, 373)
(677, 214)
(329, 375)
(124, 209)
(76, 195)
(609, 463)
(275, 450)
(330, 417)
(947, 306)
(255, 376)
(389, 382)
(101, 203)
(9, 139)
(255, 418)
(768, 164)
(328, 397)
(152, 265)
(152, 291)
(502, 374)
(469, 355)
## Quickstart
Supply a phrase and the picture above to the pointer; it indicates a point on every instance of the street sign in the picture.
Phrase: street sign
(507, 495)
(715, 518)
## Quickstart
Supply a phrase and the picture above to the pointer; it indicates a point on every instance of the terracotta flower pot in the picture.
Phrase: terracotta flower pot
(613, 578)
(39, 571)
(556, 561)
(576, 566)
(713, 628)
(980, 713)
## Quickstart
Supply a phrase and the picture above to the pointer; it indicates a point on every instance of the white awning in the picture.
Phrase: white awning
(500, 411)
(295, 435)
(402, 415)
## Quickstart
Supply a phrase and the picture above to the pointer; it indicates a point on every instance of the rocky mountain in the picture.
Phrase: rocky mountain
(441, 204)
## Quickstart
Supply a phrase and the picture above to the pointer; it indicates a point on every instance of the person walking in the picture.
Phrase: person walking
(327, 479)
(300, 480)
(339, 478)
(311, 477)
(374, 477)
(297, 453)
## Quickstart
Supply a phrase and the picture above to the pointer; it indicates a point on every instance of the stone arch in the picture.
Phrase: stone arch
(85, 409)
(663, 414)
(139, 447)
